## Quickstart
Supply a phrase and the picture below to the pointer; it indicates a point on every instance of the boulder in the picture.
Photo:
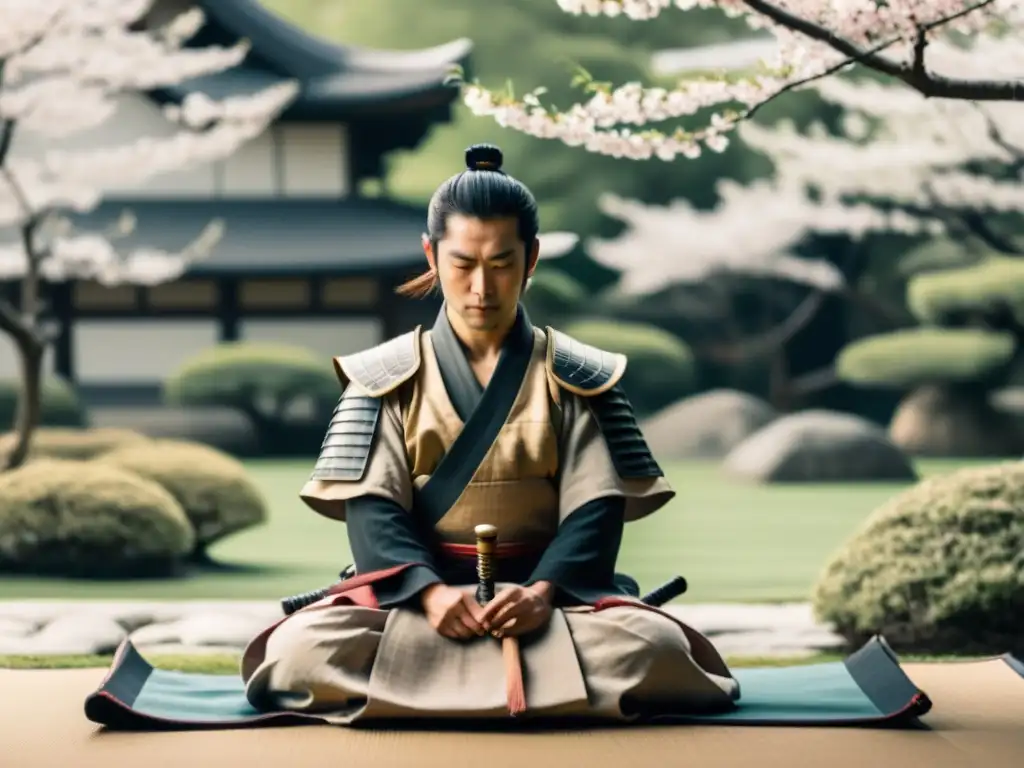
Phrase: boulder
(819, 447)
(941, 421)
(706, 426)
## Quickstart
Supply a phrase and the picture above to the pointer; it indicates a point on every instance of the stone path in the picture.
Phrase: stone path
(87, 627)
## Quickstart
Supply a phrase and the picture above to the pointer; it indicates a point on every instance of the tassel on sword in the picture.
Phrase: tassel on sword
(515, 690)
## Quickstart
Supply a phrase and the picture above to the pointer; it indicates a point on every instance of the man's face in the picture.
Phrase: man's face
(481, 265)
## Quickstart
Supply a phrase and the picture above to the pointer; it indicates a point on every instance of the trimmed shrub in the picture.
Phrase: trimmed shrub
(996, 281)
(286, 392)
(551, 295)
(917, 356)
(73, 444)
(661, 367)
(939, 568)
(938, 254)
(213, 488)
(59, 404)
(82, 519)
(242, 374)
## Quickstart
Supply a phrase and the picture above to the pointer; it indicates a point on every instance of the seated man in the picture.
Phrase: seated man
(484, 419)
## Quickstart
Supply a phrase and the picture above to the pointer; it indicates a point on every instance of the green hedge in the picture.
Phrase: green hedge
(60, 404)
(266, 382)
(551, 295)
(238, 373)
(917, 356)
(995, 281)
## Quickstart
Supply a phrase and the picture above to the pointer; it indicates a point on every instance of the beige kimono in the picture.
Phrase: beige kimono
(347, 663)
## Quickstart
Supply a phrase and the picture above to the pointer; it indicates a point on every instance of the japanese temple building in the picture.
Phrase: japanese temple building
(304, 259)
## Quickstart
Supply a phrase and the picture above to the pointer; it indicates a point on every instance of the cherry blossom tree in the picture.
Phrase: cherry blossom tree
(698, 265)
(957, 164)
(902, 164)
(65, 65)
(815, 40)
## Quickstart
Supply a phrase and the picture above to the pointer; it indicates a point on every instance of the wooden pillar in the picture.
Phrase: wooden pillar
(388, 306)
(228, 312)
(61, 297)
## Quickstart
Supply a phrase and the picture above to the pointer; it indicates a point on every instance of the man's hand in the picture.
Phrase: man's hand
(452, 612)
(518, 610)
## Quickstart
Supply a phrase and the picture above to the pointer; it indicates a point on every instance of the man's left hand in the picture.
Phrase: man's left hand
(518, 610)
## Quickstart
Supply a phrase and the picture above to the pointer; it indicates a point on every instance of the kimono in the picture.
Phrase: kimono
(416, 456)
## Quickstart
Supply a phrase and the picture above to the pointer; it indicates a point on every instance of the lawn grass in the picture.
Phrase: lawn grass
(228, 664)
(732, 541)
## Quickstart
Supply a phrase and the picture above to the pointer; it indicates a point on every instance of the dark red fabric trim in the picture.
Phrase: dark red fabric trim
(503, 550)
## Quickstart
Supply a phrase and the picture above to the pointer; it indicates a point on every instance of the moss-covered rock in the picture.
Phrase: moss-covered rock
(74, 444)
(917, 356)
(661, 367)
(59, 404)
(939, 568)
(83, 519)
(213, 488)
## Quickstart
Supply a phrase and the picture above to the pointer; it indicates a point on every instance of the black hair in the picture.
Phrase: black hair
(482, 191)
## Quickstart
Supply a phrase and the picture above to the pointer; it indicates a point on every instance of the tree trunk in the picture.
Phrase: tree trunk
(779, 385)
(30, 402)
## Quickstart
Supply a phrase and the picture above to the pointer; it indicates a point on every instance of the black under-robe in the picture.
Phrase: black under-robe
(579, 562)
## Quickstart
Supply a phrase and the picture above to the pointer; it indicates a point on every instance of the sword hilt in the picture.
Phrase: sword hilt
(486, 543)
(670, 590)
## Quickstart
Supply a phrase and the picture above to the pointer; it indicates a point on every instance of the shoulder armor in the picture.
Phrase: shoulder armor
(381, 369)
(345, 450)
(580, 368)
(631, 456)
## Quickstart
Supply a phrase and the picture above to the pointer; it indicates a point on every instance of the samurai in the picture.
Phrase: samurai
(484, 420)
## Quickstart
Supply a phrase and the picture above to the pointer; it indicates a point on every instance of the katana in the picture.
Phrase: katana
(486, 545)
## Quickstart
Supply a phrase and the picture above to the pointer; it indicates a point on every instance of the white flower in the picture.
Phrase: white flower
(600, 124)
(67, 64)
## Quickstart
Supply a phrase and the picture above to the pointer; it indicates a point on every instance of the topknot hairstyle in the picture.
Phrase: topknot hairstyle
(482, 191)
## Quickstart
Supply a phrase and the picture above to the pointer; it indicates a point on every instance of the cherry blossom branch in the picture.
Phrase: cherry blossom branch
(979, 226)
(913, 74)
(616, 121)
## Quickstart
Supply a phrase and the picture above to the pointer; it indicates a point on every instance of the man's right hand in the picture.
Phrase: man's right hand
(452, 612)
